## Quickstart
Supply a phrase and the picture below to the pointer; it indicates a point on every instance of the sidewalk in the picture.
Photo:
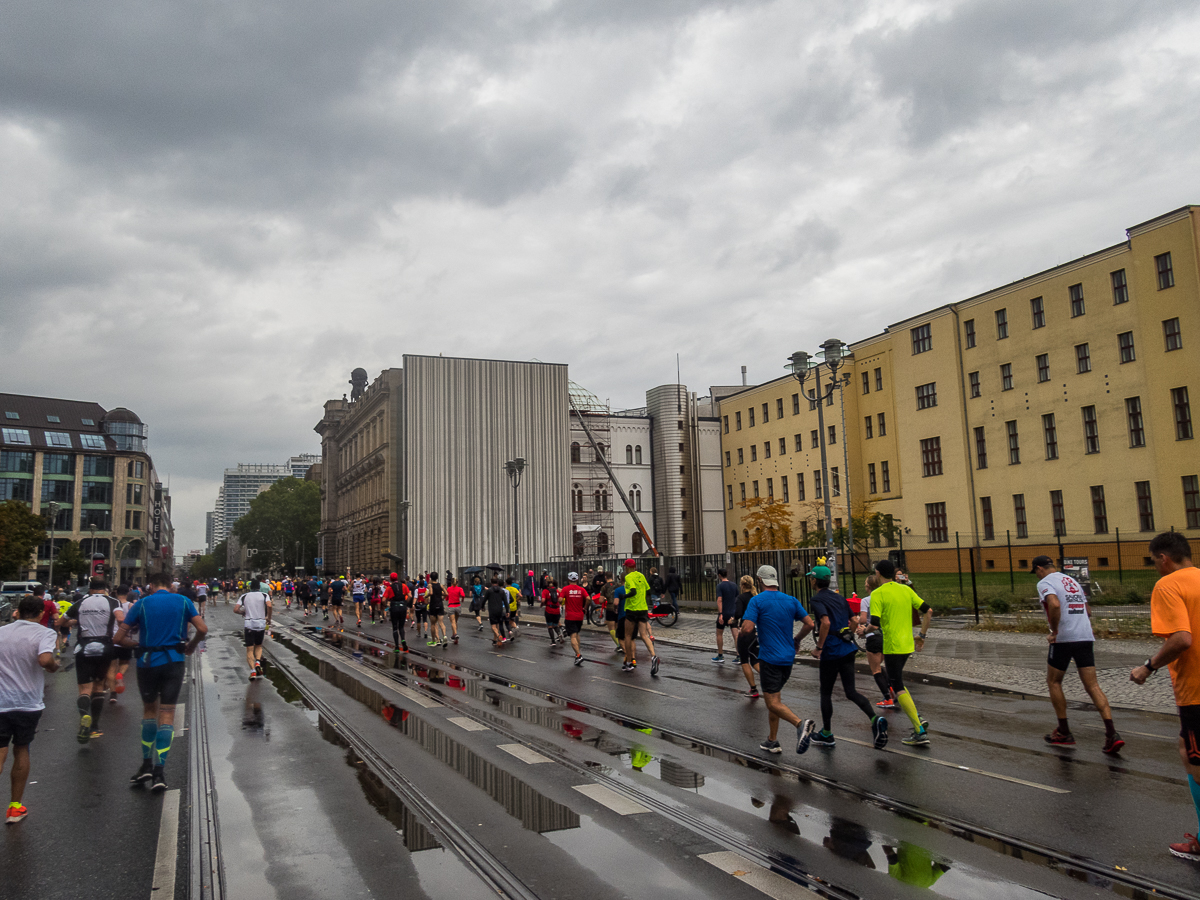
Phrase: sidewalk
(986, 659)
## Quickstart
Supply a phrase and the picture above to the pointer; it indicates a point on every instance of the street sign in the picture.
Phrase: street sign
(319, 561)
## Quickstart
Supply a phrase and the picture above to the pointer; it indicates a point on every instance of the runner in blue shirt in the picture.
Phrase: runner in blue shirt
(772, 612)
(162, 618)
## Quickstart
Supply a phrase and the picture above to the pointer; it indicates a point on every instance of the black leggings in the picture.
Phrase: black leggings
(830, 670)
(398, 631)
(893, 664)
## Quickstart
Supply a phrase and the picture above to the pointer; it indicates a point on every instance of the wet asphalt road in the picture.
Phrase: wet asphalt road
(301, 815)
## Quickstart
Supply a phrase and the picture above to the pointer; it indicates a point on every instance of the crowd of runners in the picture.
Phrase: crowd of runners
(155, 627)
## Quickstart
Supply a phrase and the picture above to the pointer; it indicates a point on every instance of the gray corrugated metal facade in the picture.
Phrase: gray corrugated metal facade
(461, 420)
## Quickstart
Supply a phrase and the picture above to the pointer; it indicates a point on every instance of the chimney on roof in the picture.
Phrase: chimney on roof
(743, 376)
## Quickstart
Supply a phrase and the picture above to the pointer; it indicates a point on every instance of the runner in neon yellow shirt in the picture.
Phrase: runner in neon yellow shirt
(637, 618)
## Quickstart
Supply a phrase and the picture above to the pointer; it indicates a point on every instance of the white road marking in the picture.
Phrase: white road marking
(619, 804)
(521, 658)
(467, 724)
(770, 883)
(168, 847)
(962, 768)
(636, 687)
(523, 753)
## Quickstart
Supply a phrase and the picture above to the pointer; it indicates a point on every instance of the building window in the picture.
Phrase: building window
(1191, 500)
(742, 488)
(1125, 344)
(817, 485)
(1172, 335)
(922, 339)
(799, 485)
(12, 416)
(980, 448)
(795, 404)
(969, 327)
(1083, 358)
(725, 423)
(1050, 433)
(926, 395)
(867, 423)
(832, 434)
(1075, 292)
(812, 404)
(730, 491)
(835, 482)
(1058, 513)
(1038, 308)
(16, 436)
(882, 425)
(778, 408)
(741, 456)
(17, 489)
(1166, 276)
(101, 518)
(866, 382)
(100, 466)
(754, 453)
(799, 442)
(728, 461)
(737, 421)
(1099, 510)
(783, 486)
(879, 379)
(1006, 381)
(935, 516)
(766, 418)
(1183, 413)
(816, 439)
(21, 461)
(871, 487)
(58, 439)
(931, 457)
(576, 456)
(1133, 415)
(91, 441)
(1043, 366)
(629, 454)
(885, 475)
(1091, 430)
(1014, 444)
(766, 449)
(751, 414)
(771, 488)
(134, 494)
(755, 486)
(1019, 515)
(1145, 506)
(782, 446)
(1119, 286)
(989, 526)
(1001, 324)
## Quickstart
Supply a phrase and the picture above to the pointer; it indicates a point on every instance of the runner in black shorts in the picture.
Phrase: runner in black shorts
(747, 648)
(336, 590)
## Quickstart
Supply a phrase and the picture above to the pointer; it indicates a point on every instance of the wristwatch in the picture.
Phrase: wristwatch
(1149, 667)
(922, 635)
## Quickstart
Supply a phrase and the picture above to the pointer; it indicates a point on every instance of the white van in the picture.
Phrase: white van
(14, 590)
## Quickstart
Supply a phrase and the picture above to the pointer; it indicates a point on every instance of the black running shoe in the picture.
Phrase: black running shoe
(654, 665)
(579, 660)
(158, 781)
(823, 739)
(770, 746)
(879, 728)
(144, 772)
(804, 734)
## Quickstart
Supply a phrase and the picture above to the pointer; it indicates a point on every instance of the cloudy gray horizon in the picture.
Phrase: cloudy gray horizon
(212, 213)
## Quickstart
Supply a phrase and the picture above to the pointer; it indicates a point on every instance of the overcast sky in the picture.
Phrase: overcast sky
(212, 212)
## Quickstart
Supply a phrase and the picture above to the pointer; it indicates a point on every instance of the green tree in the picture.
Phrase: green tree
(770, 524)
(285, 515)
(205, 567)
(21, 531)
(70, 561)
(220, 555)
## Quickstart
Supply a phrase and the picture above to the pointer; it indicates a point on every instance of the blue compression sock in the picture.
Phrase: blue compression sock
(1195, 788)
(149, 729)
(162, 742)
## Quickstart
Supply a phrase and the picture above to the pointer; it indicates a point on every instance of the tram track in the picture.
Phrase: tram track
(1072, 865)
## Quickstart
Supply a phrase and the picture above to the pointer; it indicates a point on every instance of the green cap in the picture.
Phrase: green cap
(821, 573)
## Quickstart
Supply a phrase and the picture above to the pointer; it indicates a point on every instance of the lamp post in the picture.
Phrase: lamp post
(92, 551)
(801, 366)
(54, 508)
(514, 468)
(404, 507)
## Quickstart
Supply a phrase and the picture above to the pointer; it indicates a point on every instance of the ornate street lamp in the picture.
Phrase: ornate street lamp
(54, 508)
(514, 468)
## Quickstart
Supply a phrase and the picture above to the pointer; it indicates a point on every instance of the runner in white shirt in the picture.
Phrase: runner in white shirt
(201, 596)
(1071, 638)
(255, 608)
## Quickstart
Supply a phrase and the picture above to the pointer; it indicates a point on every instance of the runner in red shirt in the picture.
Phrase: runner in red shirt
(552, 610)
(575, 598)
(454, 599)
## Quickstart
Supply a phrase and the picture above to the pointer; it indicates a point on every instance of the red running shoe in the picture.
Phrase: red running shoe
(1113, 745)
(886, 704)
(120, 686)
(1188, 848)
(19, 812)
(1057, 737)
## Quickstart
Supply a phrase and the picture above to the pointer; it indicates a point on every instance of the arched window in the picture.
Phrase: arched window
(596, 500)
(575, 456)
(603, 454)
(576, 498)
(637, 543)
(604, 500)
(638, 504)
(637, 454)
(745, 537)
(629, 454)
(601, 543)
(733, 538)
(633, 498)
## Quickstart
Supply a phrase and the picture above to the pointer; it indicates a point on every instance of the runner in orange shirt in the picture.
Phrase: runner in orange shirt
(1175, 615)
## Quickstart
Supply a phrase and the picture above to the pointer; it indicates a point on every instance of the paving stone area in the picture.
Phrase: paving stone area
(996, 659)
